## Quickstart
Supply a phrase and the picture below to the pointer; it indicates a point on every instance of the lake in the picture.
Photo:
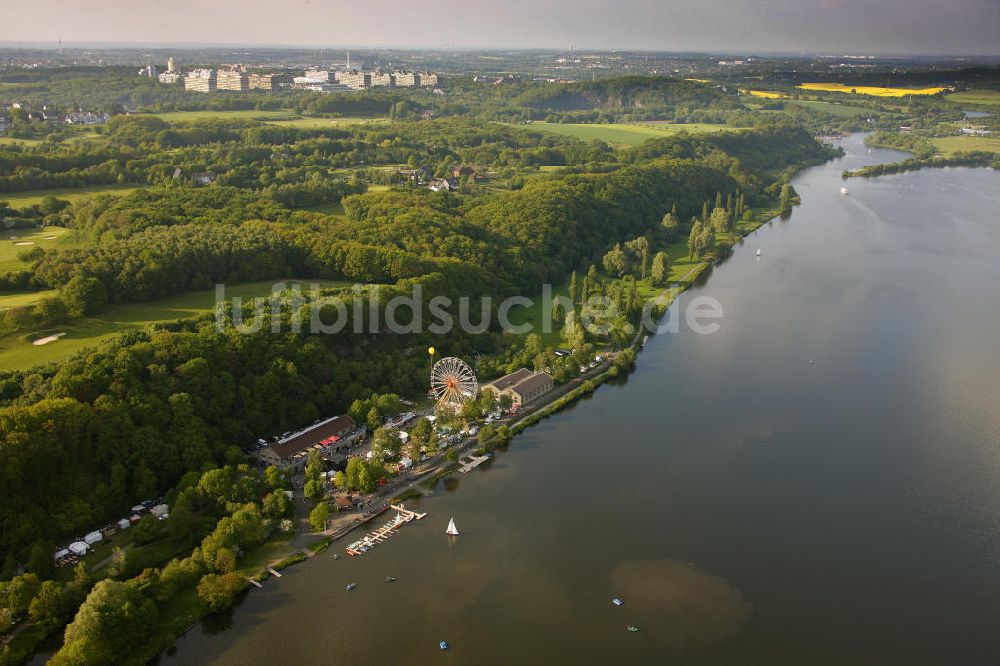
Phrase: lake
(816, 483)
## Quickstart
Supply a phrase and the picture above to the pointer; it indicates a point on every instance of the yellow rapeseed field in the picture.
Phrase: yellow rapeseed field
(878, 91)
(770, 94)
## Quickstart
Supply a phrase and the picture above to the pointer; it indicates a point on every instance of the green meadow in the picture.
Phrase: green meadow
(13, 241)
(975, 97)
(953, 144)
(630, 134)
(71, 194)
(18, 353)
(839, 110)
(283, 118)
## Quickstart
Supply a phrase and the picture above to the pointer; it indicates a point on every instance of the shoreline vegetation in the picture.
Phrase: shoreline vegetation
(925, 156)
(184, 609)
(624, 362)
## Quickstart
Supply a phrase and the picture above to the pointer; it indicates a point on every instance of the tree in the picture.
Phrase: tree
(486, 433)
(386, 443)
(422, 430)
(51, 309)
(470, 410)
(572, 287)
(694, 247)
(671, 226)
(660, 272)
(340, 480)
(52, 607)
(313, 489)
(616, 261)
(146, 530)
(19, 592)
(318, 516)
(83, 296)
(275, 478)
(719, 220)
(786, 197)
(217, 592)
(114, 618)
(276, 504)
(374, 419)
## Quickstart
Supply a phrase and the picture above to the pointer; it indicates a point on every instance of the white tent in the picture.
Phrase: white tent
(79, 548)
(92, 538)
(138, 508)
(124, 524)
(62, 554)
(160, 510)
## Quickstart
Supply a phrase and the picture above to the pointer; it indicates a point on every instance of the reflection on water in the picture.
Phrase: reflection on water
(684, 606)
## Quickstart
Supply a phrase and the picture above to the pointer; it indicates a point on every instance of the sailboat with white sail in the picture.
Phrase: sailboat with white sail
(452, 530)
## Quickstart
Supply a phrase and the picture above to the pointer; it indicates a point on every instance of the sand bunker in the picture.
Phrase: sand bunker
(47, 339)
(25, 243)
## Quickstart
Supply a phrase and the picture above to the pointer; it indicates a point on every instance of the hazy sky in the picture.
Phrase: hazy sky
(885, 26)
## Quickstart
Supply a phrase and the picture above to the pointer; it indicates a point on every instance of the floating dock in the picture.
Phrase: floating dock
(472, 463)
(375, 537)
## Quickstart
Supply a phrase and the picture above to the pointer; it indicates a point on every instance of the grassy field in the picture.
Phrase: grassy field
(189, 116)
(952, 144)
(37, 237)
(630, 134)
(839, 110)
(19, 299)
(877, 91)
(17, 352)
(326, 123)
(71, 194)
(284, 118)
(975, 97)
(7, 140)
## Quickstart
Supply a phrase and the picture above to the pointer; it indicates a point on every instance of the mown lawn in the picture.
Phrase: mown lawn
(71, 194)
(285, 118)
(975, 97)
(31, 238)
(953, 144)
(326, 123)
(19, 299)
(252, 114)
(839, 110)
(630, 134)
(17, 352)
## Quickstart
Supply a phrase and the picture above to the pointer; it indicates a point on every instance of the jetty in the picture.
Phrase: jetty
(385, 532)
(471, 463)
(253, 582)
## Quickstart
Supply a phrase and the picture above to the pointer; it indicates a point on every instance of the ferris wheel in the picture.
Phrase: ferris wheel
(453, 381)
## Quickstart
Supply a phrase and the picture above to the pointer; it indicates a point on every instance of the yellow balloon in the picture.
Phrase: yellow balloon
(430, 350)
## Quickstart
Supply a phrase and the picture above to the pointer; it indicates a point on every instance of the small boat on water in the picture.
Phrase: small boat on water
(759, 252)
(452, 530)
(843, 190)
(443, 645)
(390, 579)
(632, 628)
(350, 586)
(617, 602)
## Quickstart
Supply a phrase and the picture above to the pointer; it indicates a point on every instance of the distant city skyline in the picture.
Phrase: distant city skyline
(918, 27)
